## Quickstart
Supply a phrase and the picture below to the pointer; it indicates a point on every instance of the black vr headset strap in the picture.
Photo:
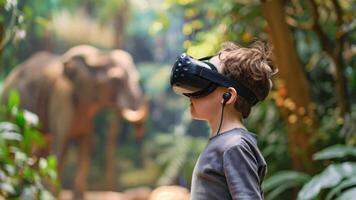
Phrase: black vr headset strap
(206, 58)
(213, 68)
(226, 82)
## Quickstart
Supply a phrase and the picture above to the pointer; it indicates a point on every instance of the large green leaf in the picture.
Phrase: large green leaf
(7, 188)
(348, 194)
(328, 178)
(280, 189)
(8, 127)
(9, 131)
(282, 181)
(14, 99)
(11, 136)
(351, 182)
(335, 151)
(282, 177)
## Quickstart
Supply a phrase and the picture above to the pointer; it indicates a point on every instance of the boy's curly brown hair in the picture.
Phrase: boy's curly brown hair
(252, 67)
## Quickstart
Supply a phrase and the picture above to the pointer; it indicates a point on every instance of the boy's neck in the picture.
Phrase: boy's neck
(231, 120)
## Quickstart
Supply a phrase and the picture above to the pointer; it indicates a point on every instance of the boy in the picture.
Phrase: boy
(231, 165)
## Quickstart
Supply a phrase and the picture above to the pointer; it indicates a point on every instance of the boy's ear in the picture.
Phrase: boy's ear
(234, 96)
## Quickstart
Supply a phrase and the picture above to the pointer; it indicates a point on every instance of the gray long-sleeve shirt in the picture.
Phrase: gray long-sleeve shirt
(230, 167)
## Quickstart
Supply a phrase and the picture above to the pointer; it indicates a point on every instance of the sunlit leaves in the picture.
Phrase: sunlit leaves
(185, 2)
(226, 20)
(191, 12)
(161, 22)
(187, 44)
(247, 37)
(14, 99)
(155, 27)
(187, 29)
(109, 9)
(21, 172)
(208, 45)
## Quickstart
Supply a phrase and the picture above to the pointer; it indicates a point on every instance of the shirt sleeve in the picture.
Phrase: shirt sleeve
(241, 172)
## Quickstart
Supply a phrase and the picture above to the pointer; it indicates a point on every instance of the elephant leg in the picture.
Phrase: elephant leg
(82, 166)
(62, 155)
(139, 134)
(111, 142)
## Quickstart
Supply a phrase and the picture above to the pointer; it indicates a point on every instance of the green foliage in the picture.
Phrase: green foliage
(332, 176)
(103, 10)
(178, 153)
(108, 10)
(155, 78)
(208, 23)
(344, 185)
(339, 178)
(281, 181)
(348, 194)
(22, 174)
(335, 179)
(265, 120)
(23, 21)
(335, 152)
(185, 149)
(11, 19)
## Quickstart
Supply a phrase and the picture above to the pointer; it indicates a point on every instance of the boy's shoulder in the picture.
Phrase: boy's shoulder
(236, 137)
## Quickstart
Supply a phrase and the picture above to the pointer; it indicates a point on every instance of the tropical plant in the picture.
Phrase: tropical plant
(277, 184)
(22, 174)
(178, 154)
(22, 23)
(10, 22)
(339, 177)
(336, 181)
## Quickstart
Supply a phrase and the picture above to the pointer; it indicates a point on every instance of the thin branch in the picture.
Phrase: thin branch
(334, 50)
(9, 32)
(348, 30)
(338, 13)
(326, 7)
(290, 11)
(297, 10)
(308, 25)
(297, 7)
(325, 42)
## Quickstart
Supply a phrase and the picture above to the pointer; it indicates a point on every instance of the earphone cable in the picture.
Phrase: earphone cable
(221, 119)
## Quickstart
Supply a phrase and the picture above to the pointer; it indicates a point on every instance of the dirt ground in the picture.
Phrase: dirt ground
(160, 193)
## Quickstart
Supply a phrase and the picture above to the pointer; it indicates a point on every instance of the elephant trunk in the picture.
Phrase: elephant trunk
(136, 116)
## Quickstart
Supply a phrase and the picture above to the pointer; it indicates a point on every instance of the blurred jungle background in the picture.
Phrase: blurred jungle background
(306, 128)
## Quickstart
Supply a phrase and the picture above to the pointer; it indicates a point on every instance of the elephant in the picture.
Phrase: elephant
(67, 91)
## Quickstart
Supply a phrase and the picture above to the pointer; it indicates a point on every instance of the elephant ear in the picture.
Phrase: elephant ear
(72, 67)
(77, 59)
(123, 60)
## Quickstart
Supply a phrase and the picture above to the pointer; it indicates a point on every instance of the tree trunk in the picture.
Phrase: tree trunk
(298, 113)
(2, 35)
(340, 82)
(111, 142)
(120, 24)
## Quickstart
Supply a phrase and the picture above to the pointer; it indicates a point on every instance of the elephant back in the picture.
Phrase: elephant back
(34, 80)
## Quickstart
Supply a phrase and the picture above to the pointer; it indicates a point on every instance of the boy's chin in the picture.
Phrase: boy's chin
(194, 116)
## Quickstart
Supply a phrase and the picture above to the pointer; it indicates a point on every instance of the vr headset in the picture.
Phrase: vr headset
(198, 77)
